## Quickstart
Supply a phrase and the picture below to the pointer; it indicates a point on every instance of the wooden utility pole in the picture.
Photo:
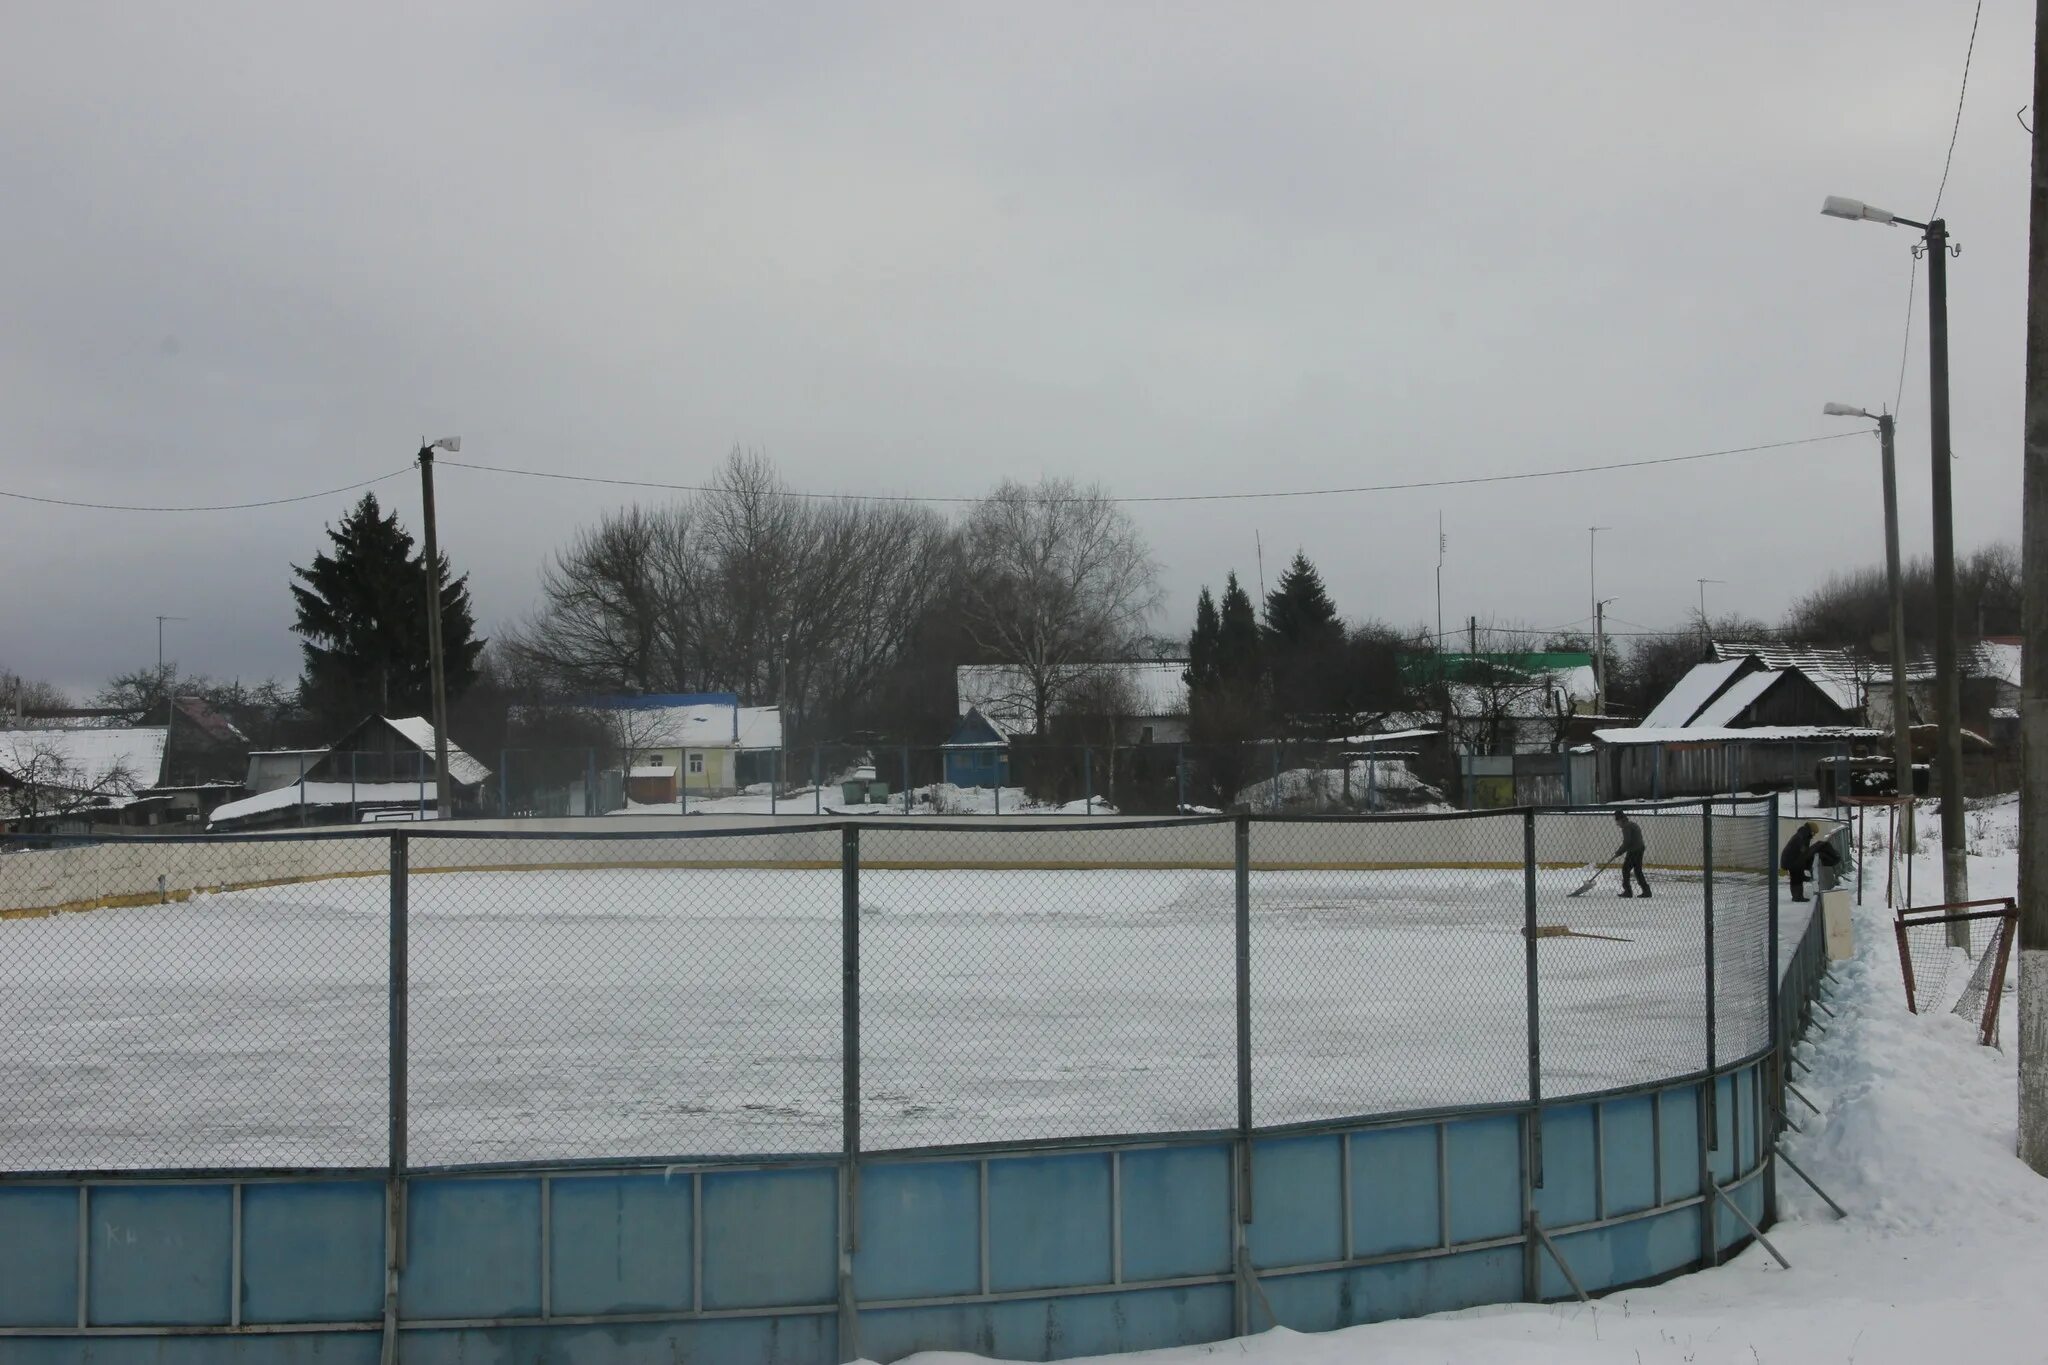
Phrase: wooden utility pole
(444, 806)
(2034, 676)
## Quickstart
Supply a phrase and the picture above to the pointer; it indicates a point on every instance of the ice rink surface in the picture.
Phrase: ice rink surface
(674, 1012)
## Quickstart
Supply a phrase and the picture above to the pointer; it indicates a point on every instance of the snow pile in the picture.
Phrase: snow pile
(1943, 1253)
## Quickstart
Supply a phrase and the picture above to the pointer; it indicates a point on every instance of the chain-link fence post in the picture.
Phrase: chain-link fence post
(504, 784)
(849, 1086)
(1180, 779)
(1088, 777)
(1777, 1078)
(1535, 1167)
(1241, 1261)
(817, 783)
(1707, 918)
(353, 814)
(397, 1045)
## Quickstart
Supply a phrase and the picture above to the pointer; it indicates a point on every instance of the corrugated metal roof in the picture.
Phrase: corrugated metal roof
(419, 732)
(125, 759)
(1692, 692)
(1736, 698)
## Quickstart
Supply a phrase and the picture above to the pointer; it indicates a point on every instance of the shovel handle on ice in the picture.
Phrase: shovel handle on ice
(1587, 885)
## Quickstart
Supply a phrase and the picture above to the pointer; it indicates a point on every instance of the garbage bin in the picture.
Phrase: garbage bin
(878, 792)
(853, 793)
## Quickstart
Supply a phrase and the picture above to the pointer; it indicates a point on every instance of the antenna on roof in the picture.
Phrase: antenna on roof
(1259, 549)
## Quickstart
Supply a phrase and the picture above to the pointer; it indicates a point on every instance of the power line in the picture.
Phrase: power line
(1180, 497)
(1958, 128)
(1906, 342)
(204, 507)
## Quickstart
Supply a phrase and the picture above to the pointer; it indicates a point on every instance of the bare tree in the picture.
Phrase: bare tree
(748, 588)
(20, 696)
(39, 780)
(1055, 575)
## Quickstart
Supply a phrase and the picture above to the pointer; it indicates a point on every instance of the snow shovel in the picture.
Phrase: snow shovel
(1587, 885)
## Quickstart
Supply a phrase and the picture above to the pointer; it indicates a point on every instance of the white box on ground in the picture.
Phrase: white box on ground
(1835, 917)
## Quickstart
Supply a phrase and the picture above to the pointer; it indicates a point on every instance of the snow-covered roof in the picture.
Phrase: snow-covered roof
(1003, 694)
(1384, 736)
(419, 732)
(1835, 671)
(1644, 734)
(1736, 698)
(125, 760)
(698, 725)
(1548, 693)
(327, 794)
(651, 770)
(1998, 659)
(1691, 692)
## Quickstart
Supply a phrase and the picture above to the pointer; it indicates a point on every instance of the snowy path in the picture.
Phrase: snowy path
(1943, 1256)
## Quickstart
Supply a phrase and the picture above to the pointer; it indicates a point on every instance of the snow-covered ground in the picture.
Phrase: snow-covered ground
(628, 1011)
(1943, 1255)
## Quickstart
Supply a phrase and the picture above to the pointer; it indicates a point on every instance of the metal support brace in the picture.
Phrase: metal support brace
(399, 976)
(1248, 1284)
(1536, 1229)
(1800, 1096)
(1754, 1230)
(1827, 1199)
(849, 1074)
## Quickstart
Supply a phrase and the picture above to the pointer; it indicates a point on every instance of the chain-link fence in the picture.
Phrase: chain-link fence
(439, 996)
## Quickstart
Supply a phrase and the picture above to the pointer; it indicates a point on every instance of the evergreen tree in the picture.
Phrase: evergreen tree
(1305, 649)
(1202, 647)
(1239, 667)
(363, 612)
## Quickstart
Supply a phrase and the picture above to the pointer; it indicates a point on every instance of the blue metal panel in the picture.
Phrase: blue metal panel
(1746, 1087)
(803, 1340)
(322, 1348)
(1680, 1142)
(1723, 1155)
(1567, 1194)
(1628, 1154)
(161, 1254)
(1048, 1222)
(771, 1237)
(1054, 1329)
(1626, 1253)
(472, 1248)
(1298, 1203)
(920, 1230)
(313, 1251)
(38, 1257)
(1394, 1204)
(1176, 1212)
(1485, 1160)
(1407, 1289)
(620, 1244)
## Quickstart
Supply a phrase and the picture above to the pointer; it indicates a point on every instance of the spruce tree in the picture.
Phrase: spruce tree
(1304, 640)
(1239, 669)
(1202, 647)
(362, 611)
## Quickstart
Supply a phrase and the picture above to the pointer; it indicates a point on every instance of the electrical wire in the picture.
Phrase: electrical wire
(1466, 481)
(204, 507)
(1957, 129)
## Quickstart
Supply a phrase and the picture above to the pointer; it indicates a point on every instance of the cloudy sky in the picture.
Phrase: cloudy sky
(259, 250)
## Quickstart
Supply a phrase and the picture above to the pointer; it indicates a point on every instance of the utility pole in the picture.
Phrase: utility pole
(2033, 1145)
(1441, 543)
(1472, 635)
(160, 640)
(1955, 851)
(444, 805)
(1902, 720)
(1600, 657)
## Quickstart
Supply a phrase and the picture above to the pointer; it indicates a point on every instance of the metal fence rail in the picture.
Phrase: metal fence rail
(435, 997)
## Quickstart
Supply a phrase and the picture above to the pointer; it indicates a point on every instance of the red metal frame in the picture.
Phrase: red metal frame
(2007, 912)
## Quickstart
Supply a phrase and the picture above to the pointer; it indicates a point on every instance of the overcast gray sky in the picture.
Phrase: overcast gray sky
(253, 250)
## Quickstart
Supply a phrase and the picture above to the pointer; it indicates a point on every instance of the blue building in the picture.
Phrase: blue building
(978, 754)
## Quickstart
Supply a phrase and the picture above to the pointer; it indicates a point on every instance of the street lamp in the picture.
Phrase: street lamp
(444, 805)
(1703, 597)
(1902, 732)
(1593, 596)
(1955, 857)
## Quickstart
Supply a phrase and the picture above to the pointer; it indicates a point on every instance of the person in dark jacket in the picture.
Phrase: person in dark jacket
(1797, 859)
(1631, 854)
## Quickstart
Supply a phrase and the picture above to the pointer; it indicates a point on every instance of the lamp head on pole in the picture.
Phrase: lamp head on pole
(451, 444)
(1856, 211)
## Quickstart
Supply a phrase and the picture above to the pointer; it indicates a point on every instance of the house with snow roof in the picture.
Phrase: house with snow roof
(1152, 692)
(674, 743)
(1736, 724)
(382, 769)
(76, 775)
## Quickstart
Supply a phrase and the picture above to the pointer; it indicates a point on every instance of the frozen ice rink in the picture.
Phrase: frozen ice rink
(672, 1012)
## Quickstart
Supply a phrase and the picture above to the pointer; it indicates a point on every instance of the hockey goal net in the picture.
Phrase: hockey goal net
(1932, 953)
